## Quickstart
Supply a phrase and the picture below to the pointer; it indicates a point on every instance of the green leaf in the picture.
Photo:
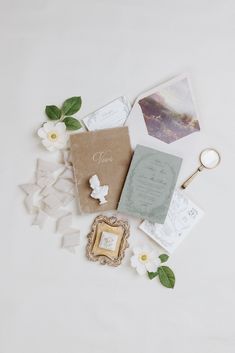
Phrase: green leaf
(163, 257)
(53, 112)
(166, 276)
(152, 274)
(72, 123)
(71, 105)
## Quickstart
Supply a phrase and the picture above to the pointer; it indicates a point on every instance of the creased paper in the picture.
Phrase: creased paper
(66, 157)
(49, 195)
(64, 223)
(29, 203)
(52, 201)
(70, 240)
(182, 216)
(64, 185)
(48, 166)
(30, 188)
(54, 212)
(67, 173)
(114, 114)
(40, 219)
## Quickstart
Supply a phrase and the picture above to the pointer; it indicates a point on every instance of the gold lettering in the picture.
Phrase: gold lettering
(102, 157)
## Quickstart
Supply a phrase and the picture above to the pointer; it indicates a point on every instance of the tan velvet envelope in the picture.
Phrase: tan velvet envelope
(106, 153)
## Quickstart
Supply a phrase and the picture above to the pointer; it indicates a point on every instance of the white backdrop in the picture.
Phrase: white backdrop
(52, 301)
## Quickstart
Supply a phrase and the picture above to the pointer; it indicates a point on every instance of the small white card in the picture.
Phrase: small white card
(114, 114)
(108, 241)
(182, 216)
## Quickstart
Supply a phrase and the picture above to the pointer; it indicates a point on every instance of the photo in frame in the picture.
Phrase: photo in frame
(107, 240)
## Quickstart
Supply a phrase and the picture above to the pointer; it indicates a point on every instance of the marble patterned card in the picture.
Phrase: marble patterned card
(114, 114)
(150, 184)
(182, 217)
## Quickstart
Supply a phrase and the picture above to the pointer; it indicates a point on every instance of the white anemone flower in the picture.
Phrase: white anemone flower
(144, 259)
(53, 135)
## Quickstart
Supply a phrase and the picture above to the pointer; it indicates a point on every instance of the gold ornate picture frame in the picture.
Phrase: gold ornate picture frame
(107, 240)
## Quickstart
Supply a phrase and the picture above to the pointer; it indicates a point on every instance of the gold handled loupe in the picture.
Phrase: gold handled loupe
(209, 159)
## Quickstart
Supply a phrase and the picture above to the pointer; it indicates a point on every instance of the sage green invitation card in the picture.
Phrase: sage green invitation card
(150, 184)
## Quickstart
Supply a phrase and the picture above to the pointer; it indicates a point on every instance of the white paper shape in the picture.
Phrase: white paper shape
(114, 114)
(66, 157)
(108, 241)
(48, 190)
(66, 199)
(182, 216)
(64, 223)
(45, 172)
(40, 219)
(67, 173)
(54, 212)
(64, 185)
(52, 201)
(44, 178)
(99, 192)
(53, 190)
(70, 240)
(30, 188)
(29, 204)
(48, 166)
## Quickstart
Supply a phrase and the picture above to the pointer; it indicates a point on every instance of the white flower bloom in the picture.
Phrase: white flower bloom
(144, 259)
(53, 135)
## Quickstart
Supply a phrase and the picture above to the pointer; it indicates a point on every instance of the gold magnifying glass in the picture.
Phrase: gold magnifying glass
(209, 159)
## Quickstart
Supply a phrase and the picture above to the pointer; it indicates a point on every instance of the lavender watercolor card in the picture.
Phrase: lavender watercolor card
(165, 113)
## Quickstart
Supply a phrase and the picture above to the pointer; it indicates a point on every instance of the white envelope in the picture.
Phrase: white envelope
(168, 111)
(113, 114)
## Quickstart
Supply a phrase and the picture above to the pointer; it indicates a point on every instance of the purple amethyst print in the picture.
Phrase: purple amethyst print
(170, 113)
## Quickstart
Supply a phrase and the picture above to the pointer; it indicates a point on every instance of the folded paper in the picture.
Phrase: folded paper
(52, 201)
(166, 113)
(54, 212)
(30, 188)
(66, 157)
(67, 173)
(52, 190)
(70, 240)
(64, 223)
(40, 219)
(29, 203)
(47, 166)
(64, 185)
(111, 115)
(182, 217)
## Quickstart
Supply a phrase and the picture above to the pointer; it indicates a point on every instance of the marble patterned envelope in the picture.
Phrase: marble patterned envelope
(114, 114)
(182, 216)
(149, 185)
(166, 113)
